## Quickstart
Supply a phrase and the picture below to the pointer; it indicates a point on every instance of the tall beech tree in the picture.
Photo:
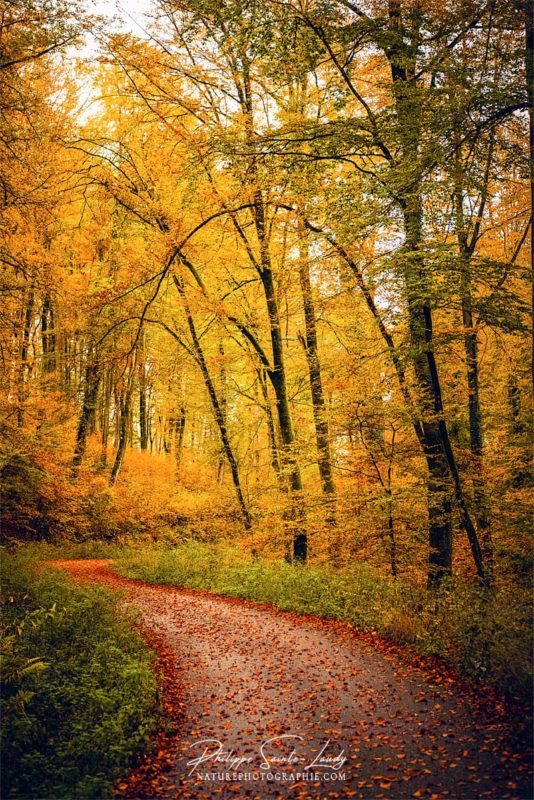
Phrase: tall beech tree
(418, 43)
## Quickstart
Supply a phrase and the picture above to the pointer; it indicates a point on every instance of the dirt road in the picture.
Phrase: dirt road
(271, 704)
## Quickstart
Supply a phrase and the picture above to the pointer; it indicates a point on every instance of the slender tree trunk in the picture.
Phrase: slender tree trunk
(271, 430)
(143, 427)
(48, 335)
(106, 410)
(123, 438)
(91, 420)
(143, 416)
(124, 411)
(522, 466)
(90, 396)
(149, 417)
(322, 435)
(216, 406)
(439, 488)
(23, 365)
(131, 434)
(179, 431)
(391, 532)
(277, 374)
(472, 374)
(116, 414)
(471, 357)
(167, 433)
(475, 421)
(67, 366)
(278, 379)
(224, 407)
(444, 479)
(320, 418)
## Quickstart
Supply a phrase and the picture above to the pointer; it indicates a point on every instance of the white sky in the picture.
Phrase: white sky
(129, 13)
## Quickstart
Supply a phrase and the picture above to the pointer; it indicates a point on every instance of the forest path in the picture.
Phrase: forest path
(278, 692)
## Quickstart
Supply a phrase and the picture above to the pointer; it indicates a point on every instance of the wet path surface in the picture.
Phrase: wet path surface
(271, 704)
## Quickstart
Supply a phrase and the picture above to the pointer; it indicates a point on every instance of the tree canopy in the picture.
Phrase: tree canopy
(272, 281)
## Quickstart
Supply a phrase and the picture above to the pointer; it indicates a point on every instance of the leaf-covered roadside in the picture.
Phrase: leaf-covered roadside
(485, 636)
(79, 694)
(407, 725)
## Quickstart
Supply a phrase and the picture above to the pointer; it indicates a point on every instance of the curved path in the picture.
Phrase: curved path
(271, 704)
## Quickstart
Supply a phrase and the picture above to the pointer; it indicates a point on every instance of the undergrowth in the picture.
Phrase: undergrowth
(79, 695)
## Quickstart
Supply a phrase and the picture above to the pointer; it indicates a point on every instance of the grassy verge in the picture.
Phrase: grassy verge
(486, 638)
(90, 548)
(79, 695)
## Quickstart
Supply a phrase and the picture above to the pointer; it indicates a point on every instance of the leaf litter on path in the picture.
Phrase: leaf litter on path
(273, 702)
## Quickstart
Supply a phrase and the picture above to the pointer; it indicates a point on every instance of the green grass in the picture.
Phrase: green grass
(79, 694)
(50, 551)
(488, 638)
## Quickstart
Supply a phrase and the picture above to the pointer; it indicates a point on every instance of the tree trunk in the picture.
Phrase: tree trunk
(143, 416)
(224, 406)
(314, 369)
(278, 379)
(470, 337)
(278, 373)
(116, 413)
(124, 422)
(522, 467)
(123, 437)
(441, 462)
(264, 269)
(90, 395)
(179, 430)
(48, 335)
(271, 430)
(475, 421)
(167, 433)
(104, 421)
(216, 406)
(391, 531)
(143, 427)
(443, 478)
(27, 315)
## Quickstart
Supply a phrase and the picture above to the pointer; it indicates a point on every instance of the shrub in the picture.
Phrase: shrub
(79, 696)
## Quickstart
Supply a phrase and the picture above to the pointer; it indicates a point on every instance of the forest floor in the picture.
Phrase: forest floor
(264, 703)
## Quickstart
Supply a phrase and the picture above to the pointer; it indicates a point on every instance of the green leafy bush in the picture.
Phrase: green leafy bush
(79, 695)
